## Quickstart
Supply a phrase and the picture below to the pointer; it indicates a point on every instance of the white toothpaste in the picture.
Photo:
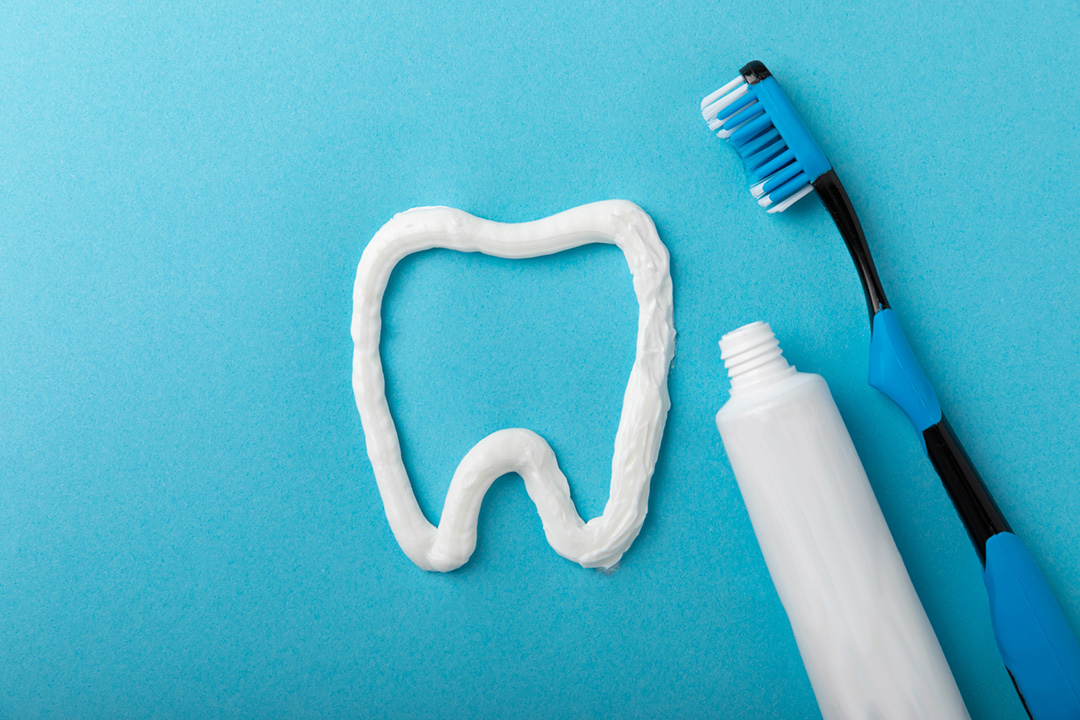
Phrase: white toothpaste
(599, 542)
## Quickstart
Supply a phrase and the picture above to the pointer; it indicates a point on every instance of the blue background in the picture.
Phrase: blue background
(189, 526)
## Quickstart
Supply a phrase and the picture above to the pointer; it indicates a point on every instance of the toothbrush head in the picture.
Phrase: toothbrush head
(780, 155)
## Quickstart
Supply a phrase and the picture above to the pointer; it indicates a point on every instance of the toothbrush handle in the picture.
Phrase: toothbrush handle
(1036, 643)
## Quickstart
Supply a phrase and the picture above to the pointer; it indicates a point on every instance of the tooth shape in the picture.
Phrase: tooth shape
(600, 542)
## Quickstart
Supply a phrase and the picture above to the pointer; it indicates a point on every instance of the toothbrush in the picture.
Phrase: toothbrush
(785, 164)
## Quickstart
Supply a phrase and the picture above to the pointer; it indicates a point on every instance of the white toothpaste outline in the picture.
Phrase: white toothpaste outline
(600, 542)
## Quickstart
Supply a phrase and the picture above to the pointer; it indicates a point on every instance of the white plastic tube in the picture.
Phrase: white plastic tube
(862, 632)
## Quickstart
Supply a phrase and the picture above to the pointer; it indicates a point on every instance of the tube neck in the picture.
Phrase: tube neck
(753, 357)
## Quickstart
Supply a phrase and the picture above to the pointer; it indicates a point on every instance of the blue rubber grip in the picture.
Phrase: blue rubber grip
(895, 371)
(1032, 633)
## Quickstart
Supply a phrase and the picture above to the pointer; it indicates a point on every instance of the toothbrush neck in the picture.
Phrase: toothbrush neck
(836, 201)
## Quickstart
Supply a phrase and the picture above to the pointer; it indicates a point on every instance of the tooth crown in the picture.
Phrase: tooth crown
(599, 542)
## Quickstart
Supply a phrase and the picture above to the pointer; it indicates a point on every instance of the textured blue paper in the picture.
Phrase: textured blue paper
(189, 526)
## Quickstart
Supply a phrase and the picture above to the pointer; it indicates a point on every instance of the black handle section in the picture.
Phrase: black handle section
(969, 495)
(754, 72)
(837, 202)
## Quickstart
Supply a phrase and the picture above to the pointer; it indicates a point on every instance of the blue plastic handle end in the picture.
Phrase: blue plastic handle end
(1035, 640)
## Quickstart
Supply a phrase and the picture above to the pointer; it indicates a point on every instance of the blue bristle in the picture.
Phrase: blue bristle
(735, 106)
(775, 164)
(758, 159)
(763, 156)
(789, 188)
(750, 130)
(740, 117)
(777, 180)
(748, 150)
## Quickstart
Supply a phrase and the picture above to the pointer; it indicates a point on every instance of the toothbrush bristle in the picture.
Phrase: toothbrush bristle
(735, 114)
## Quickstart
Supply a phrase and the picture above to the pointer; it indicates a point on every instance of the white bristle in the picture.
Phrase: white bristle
(725, 134)
(758, 189)
(803, 192)
(765, 201)
(715, 124)
(710, 111)
(714, 96)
